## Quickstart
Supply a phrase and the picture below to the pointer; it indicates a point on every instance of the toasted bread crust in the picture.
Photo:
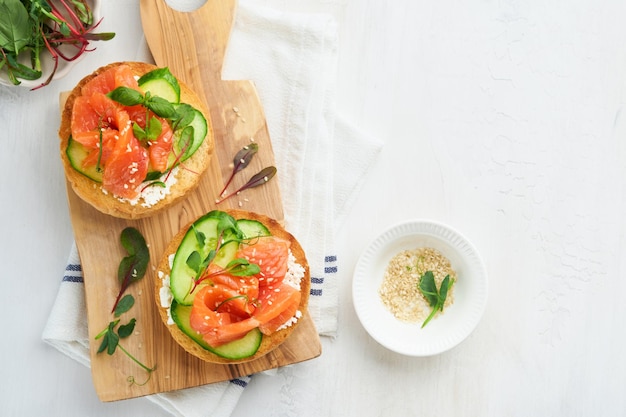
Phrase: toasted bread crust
(268, 343)
(91, 191)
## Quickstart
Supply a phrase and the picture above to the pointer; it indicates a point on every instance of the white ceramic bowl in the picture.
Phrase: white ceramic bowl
(47, 63)
(445, 330)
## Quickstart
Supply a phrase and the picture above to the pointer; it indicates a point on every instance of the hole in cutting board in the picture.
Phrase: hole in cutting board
(185, 5)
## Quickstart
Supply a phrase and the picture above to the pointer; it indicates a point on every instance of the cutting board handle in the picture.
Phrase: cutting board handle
(185, 39)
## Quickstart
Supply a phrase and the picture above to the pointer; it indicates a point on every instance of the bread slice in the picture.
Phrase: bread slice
(269, 342)
(187, 178)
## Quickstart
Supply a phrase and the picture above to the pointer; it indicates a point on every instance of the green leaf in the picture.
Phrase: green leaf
(436, 298)
(428, 287)
(139, 132)
(127, 329)
(228, 223)
(153, 129)
(241, 267)
(200, 236)
(135, 264)
(15, 29)
(443, 290)
(160, 106)
(184, 116)
(126, 96)
(103, 345)
(112, 339)
(24, 72)
(194, 260)
(124, 305)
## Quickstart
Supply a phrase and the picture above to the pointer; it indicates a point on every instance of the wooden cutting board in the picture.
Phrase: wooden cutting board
(237, 116)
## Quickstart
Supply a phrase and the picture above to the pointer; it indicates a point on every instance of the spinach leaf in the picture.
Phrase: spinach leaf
(15, 30)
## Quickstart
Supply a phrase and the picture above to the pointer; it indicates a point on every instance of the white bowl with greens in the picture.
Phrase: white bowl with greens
(467, 288)
(42, 39)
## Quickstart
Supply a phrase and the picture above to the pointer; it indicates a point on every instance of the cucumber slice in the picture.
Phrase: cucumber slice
(182, 276)
(226, 253)
(161, 82)
(252, 228)
(76, 153)
(238, 349)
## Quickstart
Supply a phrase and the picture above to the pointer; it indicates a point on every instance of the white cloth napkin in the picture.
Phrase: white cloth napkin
(291, 59)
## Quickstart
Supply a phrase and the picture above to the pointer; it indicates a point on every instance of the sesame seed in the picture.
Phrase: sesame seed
(399, 290)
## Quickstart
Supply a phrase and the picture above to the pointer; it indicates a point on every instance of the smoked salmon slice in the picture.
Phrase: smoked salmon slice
(263, 300)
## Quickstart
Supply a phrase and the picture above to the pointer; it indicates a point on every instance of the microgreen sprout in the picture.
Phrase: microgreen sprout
(256, 180)
(240, 161)
(111, 341)
(132, 267)
(435, 297)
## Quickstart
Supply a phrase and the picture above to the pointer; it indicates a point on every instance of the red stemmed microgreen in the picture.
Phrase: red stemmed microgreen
(132, 267)
(64, 28)
(240, 161)
(256, 180)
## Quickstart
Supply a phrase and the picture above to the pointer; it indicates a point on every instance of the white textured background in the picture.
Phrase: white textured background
(503, 119)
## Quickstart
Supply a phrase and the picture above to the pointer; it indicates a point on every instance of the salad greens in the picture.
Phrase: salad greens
(436, 298)
(30, 28)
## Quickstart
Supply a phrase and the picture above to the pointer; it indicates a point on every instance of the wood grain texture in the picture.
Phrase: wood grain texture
(237, 116)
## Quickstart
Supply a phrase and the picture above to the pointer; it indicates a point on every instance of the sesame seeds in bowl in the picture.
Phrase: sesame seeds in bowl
(389, 303)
